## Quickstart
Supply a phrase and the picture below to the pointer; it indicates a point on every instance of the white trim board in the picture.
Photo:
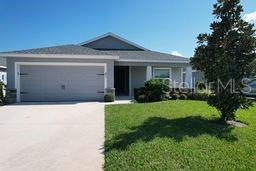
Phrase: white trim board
(130, 81)
(24, 55)
(152, 61)
(1, 66)
(18, 64)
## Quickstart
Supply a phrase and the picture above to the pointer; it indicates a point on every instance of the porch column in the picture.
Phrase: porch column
(149, 73)
(130, 81)
(188, 77)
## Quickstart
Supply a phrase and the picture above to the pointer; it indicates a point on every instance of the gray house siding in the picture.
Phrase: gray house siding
(2, 61)
(11, 67)
(110, 43)
(138, 77)
(197, 76)
(176, 77)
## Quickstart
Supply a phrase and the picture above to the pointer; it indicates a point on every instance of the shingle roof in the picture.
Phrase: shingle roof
(63, 49)
(81, 50)
(146, 55)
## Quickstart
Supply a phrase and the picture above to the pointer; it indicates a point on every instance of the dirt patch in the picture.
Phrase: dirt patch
(236, 124)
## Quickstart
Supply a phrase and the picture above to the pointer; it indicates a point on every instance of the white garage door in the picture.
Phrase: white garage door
(61, 83)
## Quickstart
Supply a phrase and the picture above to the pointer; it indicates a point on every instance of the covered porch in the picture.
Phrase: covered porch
(128, 76)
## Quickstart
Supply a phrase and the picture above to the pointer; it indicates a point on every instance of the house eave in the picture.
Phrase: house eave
(152, 61)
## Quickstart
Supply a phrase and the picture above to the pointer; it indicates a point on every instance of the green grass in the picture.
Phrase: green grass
(177, 135)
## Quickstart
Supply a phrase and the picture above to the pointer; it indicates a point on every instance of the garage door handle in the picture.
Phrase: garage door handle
(23, 92)
(100, 91)
(100, 74)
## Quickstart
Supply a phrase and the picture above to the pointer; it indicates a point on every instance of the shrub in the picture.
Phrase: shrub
(191, 96)
(183, 97)
(109, 97)
(201, 84)
(155, 84)
(156, 90)
(139, 91)
(2, 88)
(156, 95)
(174, 96)
(201, 96)
(143, 99)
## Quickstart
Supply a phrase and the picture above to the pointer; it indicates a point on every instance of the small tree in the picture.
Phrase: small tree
(224, 56)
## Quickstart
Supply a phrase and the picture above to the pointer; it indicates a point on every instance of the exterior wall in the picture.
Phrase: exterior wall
(2, 61)
(111, 43)
(197, 76)
(176, 76)
(3, 76)
(138, 77)
(11, 67)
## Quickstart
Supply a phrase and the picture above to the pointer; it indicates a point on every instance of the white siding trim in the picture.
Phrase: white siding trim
(149, 73)
(130, 81)
(18, 64)
(155, 61)
(4, 67)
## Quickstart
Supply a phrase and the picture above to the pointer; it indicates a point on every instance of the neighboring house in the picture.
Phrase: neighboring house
(3, 77)
(85, 71)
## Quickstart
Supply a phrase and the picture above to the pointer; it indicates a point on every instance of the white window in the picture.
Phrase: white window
(163, 74)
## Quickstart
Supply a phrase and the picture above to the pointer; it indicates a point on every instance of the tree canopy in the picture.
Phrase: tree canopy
(225, 55)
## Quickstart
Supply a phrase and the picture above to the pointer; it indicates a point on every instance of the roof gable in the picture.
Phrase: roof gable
(111, 41)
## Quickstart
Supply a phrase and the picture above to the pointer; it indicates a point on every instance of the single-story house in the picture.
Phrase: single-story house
(87, 70)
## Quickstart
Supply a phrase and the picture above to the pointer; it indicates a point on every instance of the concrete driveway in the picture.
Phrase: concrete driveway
(62, 136)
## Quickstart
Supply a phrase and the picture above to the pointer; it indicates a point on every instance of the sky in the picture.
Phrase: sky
(169, 26)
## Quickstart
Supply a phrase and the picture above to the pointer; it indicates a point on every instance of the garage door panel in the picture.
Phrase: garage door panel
(61, 83)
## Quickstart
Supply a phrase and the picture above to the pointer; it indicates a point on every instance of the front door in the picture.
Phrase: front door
(121, 77)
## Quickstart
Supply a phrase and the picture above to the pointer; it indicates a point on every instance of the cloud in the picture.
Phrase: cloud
(250, 17)
(176, 53)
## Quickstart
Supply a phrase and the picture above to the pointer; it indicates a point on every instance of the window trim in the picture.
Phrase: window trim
(163, 68)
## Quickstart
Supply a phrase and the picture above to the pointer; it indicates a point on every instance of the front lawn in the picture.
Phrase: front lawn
(177, 135)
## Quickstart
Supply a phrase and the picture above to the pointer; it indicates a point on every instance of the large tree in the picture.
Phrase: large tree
(224, 56)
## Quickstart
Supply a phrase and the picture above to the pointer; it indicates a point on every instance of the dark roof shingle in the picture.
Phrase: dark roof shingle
(81, 50)
(63, 49)
(146, 55)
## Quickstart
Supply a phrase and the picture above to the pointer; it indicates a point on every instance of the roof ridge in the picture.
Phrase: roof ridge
(169, 54)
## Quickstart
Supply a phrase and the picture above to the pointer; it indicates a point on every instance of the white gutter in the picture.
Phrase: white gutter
(23, 55)
(2, 66)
